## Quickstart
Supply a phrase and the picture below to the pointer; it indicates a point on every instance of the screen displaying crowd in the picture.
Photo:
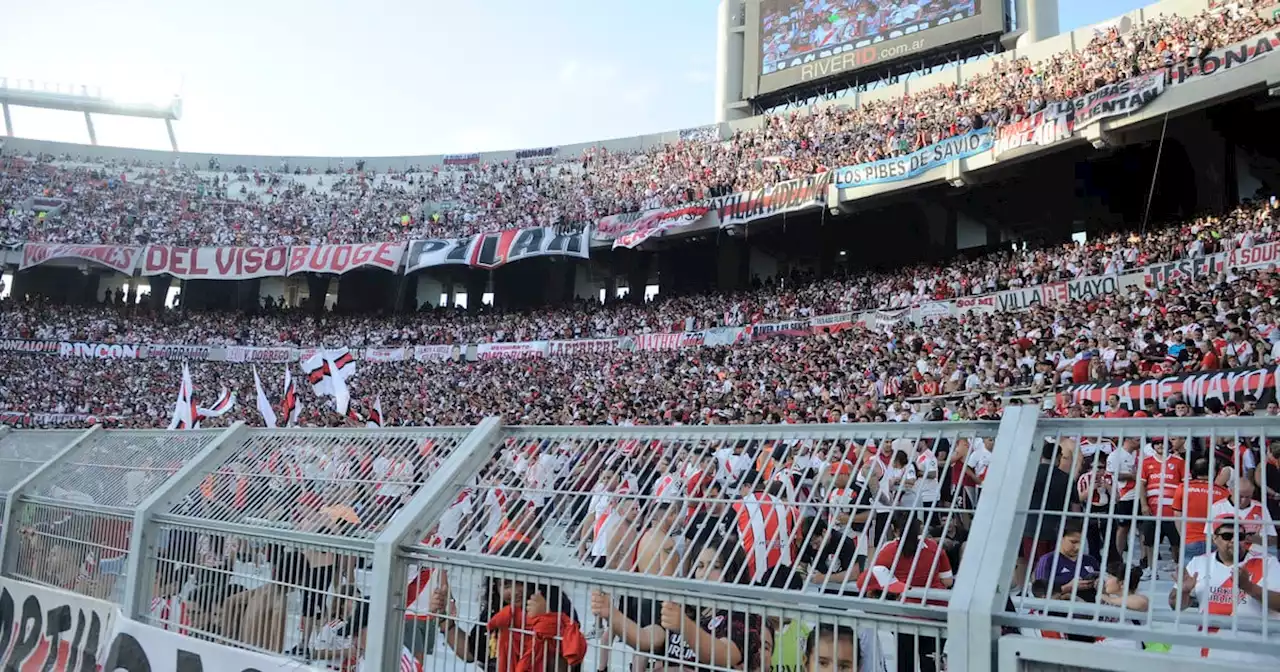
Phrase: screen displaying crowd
(794, 28)
(164, 204)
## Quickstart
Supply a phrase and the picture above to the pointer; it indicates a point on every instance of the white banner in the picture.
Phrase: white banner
(435, 353)
(47, 629)
(933, 310)
(220, 263)
(243, 353)
(97, 350)
(1256, 256)
(1080, 289)
(137, 648)
(170, 351)
(511, 350)
(384, 354)
(1113, 100)
(583, 345)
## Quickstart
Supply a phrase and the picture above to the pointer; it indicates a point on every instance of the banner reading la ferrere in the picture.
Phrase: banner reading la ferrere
(491, 250)
(916, 163)
(805, 193)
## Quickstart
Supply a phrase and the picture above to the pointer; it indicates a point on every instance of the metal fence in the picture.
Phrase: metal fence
(1026, 543)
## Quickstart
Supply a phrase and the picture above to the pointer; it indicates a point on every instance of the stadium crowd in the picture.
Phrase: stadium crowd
(138, 204)
(864, 517)
(961, 366)
(773, 300)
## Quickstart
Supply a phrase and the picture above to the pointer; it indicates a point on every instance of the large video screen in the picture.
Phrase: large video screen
(804, 40)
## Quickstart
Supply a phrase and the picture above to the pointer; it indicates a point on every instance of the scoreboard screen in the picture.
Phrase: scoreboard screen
(806, 40)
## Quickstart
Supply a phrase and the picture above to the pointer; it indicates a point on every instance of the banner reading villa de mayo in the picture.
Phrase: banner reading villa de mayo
(491, 250)
(916, 163)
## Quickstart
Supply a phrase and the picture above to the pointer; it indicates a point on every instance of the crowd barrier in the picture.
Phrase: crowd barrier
(274, 543)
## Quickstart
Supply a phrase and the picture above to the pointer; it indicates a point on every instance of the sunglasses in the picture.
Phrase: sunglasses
(1227, 536)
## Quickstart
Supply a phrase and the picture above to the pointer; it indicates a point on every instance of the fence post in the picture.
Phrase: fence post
(982, 586)
(8, 542)
(410, 524)
(177, 486)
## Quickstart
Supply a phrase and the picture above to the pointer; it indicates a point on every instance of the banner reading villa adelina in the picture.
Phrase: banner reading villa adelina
(806, 193)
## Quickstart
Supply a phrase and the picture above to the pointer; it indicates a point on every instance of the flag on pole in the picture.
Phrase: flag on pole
(184, 409)
(226, 401)
(264, 405)
(290, 407)
(328, 372)
(375, 418)
(338, 386)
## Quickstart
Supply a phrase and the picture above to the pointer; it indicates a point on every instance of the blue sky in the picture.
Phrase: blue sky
(319, 77)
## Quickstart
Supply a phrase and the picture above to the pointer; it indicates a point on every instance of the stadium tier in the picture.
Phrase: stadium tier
(974, 371)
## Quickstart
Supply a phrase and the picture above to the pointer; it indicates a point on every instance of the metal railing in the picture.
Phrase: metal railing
(959, 546)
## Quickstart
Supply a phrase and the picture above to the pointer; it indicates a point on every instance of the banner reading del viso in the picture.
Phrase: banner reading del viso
(917, 162)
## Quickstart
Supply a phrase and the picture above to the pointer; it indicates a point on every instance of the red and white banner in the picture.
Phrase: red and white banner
(976, 304)
(584, 345)
(1037, 130)
(243, 353)
(215, 263)
(689, 339)
(511, 350)
(49, 629)
(383, 354)
(1256, 256)
(435, 353)
(831, 323)
(122, 258)
(631, 230)
(98, 350)
(342, 258)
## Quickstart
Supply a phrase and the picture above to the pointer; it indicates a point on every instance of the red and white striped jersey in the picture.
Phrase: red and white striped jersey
(1094, 487)
(766, 527)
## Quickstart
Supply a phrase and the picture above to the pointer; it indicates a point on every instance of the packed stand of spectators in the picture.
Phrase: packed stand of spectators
(130, 204)
(866, 516)
(771, 300)
(1188, 325)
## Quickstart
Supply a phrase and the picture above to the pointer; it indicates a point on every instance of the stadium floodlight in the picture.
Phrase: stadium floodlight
(131, 98)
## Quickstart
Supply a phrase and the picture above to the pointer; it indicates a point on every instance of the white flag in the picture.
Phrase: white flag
(338, 387)
(185, 415)
(226, 401)
(264, 405)
(375, 418)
